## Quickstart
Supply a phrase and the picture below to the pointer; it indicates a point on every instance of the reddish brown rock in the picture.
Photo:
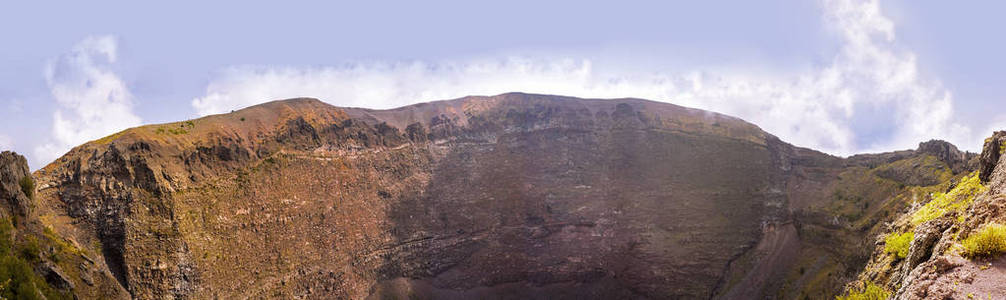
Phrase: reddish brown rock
(515, 196)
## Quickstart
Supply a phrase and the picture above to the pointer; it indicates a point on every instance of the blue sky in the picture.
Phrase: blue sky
(842, 76)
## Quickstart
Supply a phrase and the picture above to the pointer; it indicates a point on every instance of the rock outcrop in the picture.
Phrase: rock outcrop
(16, 186)
(937, 265)
(34, 261)
(946, 152)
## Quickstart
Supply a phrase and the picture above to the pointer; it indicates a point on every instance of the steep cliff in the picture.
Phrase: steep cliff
(836, 208)
(516, 196)
(36, 263)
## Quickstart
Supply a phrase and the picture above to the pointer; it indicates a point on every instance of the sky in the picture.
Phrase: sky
(840, 76)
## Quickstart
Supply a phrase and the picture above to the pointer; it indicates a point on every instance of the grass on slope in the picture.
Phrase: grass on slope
(861, 201)
(956, 200)
(989, 241)
(898, 244)
(871, 292)
(17, 277)
(28, 187)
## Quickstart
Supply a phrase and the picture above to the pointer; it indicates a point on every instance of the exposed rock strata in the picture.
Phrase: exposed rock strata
(512, 196)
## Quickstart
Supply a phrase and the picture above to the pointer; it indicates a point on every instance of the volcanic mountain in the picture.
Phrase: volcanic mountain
(515, 196)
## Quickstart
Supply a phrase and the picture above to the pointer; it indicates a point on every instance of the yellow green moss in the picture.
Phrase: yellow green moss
(898, 244)
(871, 292)
(988, 241)
(110, 138)
(956, 200)
(61, 245)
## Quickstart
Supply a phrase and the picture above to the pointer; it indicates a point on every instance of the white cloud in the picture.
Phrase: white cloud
(386, 85)
(92, 100)
(820, 108)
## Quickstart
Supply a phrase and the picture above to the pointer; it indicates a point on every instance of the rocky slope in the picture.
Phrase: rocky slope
(515, 196)
(35, 262)
(840, 207)
(937, 258)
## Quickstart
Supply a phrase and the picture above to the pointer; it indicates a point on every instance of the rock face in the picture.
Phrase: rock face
(991, 157)
(936, 266)
(515, 196)
(13, 175)
(946, 152)
(34, 261)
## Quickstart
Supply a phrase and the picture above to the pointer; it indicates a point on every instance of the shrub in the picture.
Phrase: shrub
(28, 186)
(30, 249)
(17, 277)
(6, 236)
(957, 199)
(898, 244)
(989, 241)
(871, 292)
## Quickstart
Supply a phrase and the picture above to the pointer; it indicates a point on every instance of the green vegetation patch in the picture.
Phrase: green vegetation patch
(62, 248)
(898, 244)
(28, 186)
(6, 240)
(987, 242)
(855, 194)
(924, 170)
(17, 277)
(29, 249)
(956, 200)
(871, 292)
(183, 128)
(110, 138)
